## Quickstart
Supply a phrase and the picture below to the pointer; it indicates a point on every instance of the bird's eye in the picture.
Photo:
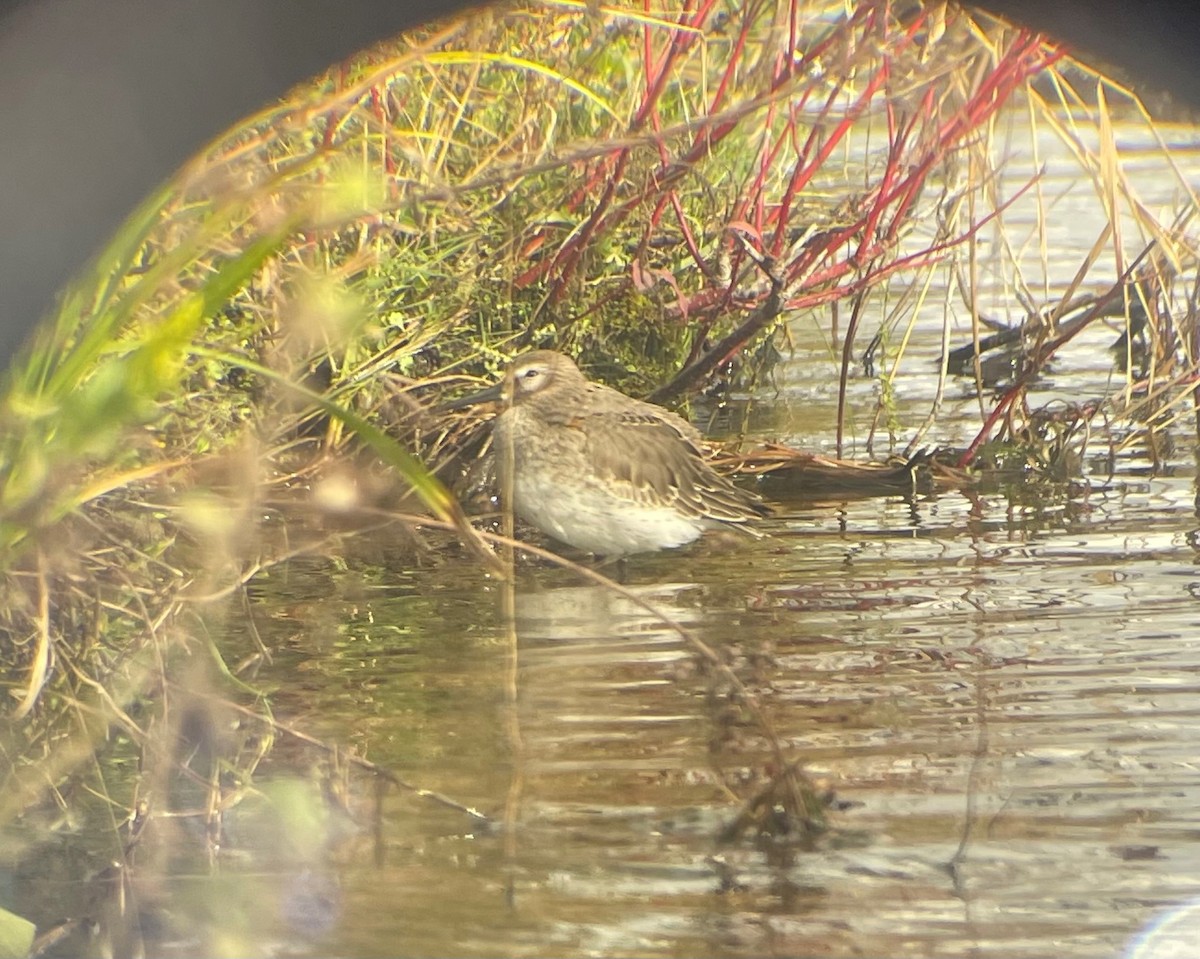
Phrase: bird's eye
(530, 374)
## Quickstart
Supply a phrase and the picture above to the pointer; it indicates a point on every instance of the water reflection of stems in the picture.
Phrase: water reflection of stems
(970, 814)
(512, 715)
(382, 772)
(791, 786)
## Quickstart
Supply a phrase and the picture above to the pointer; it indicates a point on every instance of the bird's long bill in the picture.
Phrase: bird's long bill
(493, 394)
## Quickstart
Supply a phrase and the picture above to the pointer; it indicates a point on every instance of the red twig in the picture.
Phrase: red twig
(1044, 353)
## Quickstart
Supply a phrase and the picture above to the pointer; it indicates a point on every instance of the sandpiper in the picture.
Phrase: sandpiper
(601, 471)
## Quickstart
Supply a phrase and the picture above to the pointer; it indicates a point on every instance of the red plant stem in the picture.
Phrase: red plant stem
(906, 191)
(688, 238)
(698, 368)
(890, 171)
(567, 258)
(910, 188)
(735, 59)
(819, 291)
(600, 220)
(1041, 356)
(844, 372)
(883, 211)
(801, 173)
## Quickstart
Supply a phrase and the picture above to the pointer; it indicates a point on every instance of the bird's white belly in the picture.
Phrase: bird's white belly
(591, 516)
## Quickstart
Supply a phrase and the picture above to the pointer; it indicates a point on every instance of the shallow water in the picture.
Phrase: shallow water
(1001, 690)
(1012, 690)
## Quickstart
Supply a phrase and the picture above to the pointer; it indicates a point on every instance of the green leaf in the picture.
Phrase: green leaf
(16, 936)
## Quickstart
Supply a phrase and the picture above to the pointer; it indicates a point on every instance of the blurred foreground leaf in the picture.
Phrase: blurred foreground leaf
(16, 935)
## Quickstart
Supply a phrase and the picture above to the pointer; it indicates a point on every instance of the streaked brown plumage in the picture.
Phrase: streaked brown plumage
(603, 472)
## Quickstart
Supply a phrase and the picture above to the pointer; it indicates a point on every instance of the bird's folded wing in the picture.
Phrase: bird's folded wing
(655, 459)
